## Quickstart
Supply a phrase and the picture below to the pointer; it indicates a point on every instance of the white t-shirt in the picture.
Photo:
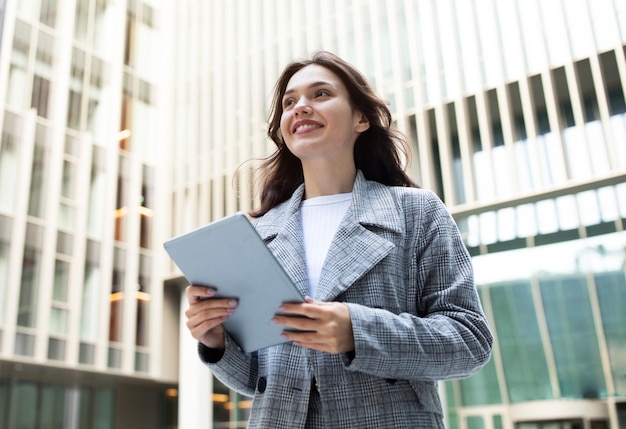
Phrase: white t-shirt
(321, 217)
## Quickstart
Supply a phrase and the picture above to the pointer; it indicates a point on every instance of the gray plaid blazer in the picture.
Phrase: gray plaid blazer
(398, 262)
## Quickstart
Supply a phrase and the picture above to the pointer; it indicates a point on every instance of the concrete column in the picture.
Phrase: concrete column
(195, 381)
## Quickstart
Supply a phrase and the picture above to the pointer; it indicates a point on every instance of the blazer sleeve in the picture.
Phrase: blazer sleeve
(233, 367)
(448, 337)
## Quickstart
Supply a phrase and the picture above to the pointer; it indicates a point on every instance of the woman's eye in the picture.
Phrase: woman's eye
(288, 102)
(322, 93)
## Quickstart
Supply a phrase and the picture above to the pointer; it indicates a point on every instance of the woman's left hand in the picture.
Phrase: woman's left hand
(327, 325)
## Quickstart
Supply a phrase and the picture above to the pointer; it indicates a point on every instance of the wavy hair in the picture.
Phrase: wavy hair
(378, 152)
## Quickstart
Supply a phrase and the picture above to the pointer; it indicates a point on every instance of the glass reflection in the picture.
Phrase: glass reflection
(556, 310)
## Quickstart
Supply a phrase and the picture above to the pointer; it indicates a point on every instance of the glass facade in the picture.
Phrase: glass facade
(554, 309)
(516, 113)
(80, 158)
(63, 405)
(58, 406)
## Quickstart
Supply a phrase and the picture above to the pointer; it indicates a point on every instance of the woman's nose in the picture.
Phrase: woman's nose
(302, 106)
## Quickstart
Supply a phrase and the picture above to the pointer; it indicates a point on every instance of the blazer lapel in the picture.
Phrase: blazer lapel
(356, 249)
(349, 258)
(281, 230)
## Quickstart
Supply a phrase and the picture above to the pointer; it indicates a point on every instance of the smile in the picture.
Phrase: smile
(307, 127)
(303, 127)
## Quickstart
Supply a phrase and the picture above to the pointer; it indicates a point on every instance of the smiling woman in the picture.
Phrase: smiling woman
(320, 126)
(391, 305)
(379, 151)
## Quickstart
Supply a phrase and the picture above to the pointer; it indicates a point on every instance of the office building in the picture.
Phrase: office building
(82, 309)
(126, 122)
(516, 115)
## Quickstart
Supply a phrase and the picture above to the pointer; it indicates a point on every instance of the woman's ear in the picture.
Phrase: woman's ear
(361, 123)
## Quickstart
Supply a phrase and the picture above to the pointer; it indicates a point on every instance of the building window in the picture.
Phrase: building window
(475, 422)
(229, 407)
(24, 398)
(77, 76)
(42, 81)
(573, 337)
(28, 404)
(611, 290)
(482, 388)
(38, 194)
(98, 106)
(87, 354)
(90, 305)
(5, 246)
(67, 208)
(523, 357)
(81, 21)
(40, 95)
(56, 349)
(29, 284)
(9, 161)
(18, 87)
(117, 296)
(122, 201)
(24, 344)
(59, 312)
(97, 188)
(146, 208)
(143, 297)
(560, 424)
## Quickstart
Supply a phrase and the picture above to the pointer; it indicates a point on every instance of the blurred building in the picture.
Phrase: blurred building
(126, 122)
(82, 309)
(516, 114)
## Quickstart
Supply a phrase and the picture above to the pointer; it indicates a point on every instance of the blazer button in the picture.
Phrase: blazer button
(261, 384)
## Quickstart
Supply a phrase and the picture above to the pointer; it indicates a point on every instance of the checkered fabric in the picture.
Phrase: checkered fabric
(399, 264)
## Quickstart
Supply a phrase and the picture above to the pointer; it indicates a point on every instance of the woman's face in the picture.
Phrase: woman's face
(318, 122)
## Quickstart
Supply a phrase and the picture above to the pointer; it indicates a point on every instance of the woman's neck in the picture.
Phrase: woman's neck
(328, 180)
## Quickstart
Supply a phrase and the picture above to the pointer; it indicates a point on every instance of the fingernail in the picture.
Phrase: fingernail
(210, 292)
(274, 320)
(232, 303)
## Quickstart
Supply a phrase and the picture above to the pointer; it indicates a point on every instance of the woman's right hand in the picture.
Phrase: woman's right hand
(206, 314)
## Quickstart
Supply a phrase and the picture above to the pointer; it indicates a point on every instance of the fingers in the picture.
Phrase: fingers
(206, 314)
(197, 293)
(339, 341)
(208, 309)
(205, 319)
(199, 328)
(327, 325)
(311, 308)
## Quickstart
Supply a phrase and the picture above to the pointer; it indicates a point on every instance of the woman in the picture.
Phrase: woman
(391, 303)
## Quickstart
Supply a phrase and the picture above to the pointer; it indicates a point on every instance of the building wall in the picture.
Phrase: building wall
(126, 122)
(81, 292)
(515, 111)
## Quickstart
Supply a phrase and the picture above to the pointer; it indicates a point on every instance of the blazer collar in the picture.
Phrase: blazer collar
(356, 245)
(372, 205)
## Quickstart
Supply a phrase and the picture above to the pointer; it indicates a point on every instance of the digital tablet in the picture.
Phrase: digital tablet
(229, 255)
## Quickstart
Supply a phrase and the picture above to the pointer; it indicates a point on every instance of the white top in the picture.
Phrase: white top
(321, 217)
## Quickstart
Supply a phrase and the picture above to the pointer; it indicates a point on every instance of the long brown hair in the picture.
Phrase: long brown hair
(378, 151)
